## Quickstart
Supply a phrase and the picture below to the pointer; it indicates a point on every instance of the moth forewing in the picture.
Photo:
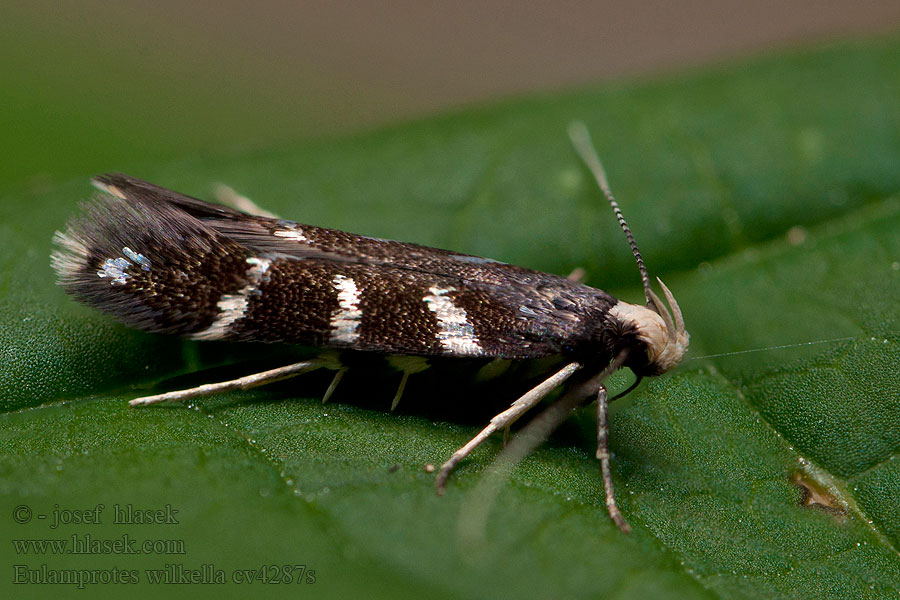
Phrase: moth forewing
(168, 263)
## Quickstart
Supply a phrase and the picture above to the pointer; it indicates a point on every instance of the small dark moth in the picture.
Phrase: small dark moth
(168, 263)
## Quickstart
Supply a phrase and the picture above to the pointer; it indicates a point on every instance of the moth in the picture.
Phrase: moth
(167, 263)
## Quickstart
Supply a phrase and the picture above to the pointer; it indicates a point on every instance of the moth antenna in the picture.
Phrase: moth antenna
(581, 140)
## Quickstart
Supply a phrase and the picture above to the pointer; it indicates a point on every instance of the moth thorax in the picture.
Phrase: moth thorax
(665, 343)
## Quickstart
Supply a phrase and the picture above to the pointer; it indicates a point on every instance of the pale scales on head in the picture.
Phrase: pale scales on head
(665, 337)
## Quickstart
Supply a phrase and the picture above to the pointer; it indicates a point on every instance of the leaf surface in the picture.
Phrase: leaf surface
(765, 194)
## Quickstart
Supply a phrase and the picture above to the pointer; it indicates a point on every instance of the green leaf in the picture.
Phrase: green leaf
(765, 193)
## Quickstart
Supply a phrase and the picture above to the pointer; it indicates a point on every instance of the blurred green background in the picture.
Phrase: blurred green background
(88, 85)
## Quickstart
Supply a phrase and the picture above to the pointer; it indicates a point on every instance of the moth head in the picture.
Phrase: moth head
(661, 332)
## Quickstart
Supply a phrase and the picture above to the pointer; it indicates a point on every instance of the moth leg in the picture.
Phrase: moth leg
(577, 275)
(400, 389)
(408, 365)
(604, 458)
(229, 197)
(334, 383)
(504, 419)
(242, 383)
(493, 369)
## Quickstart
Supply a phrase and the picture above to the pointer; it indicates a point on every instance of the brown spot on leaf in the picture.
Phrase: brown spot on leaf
(815, 495)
